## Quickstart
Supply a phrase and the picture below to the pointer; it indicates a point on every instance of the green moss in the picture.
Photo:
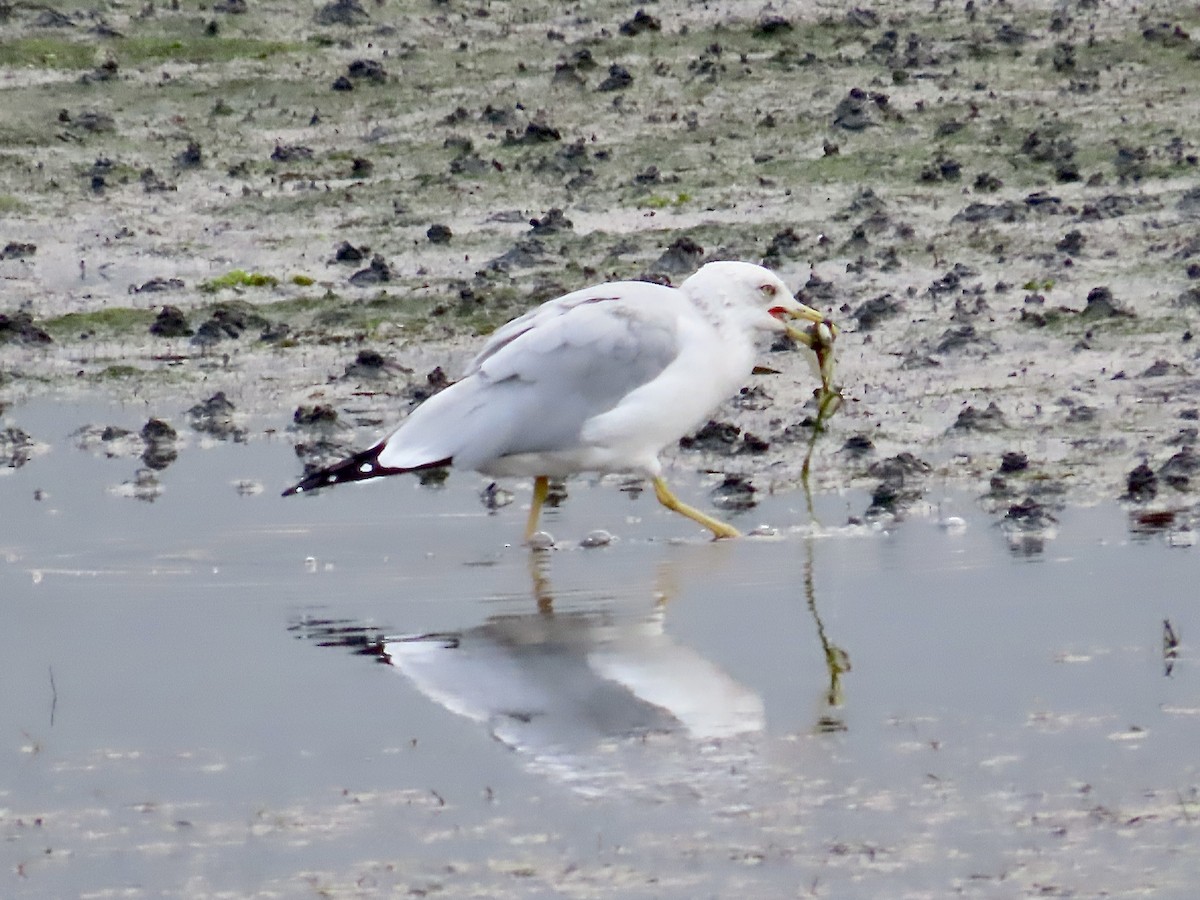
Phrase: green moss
(102, 322)
(118, 371)
(10, 205)
(661, 201)
(302, 280)
(63, 53)
(199, 49)
(47, 52)
(238, 279)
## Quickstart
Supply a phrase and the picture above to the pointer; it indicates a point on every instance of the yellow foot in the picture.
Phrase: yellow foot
(671, 502)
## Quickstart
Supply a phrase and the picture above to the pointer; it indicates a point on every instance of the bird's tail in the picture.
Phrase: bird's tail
(358, 467)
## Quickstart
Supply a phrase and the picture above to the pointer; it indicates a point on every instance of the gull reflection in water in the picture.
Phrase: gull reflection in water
(548, 681)
(598, 695)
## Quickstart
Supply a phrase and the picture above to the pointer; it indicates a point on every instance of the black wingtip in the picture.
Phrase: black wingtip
(359, 467)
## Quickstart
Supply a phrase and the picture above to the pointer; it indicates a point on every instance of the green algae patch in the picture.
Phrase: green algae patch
(118, 372)
(111, 322)
(64, 53)
(10, 205)
(238, 278)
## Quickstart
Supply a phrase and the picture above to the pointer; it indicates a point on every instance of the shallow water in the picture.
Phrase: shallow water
(192, 700)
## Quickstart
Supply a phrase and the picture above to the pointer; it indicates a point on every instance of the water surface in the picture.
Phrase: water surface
(374, 690)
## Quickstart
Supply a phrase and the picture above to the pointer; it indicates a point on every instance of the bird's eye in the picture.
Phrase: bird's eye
(768, 290)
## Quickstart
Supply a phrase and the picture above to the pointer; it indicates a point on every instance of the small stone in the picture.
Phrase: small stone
(767, 531)
(541, 540)
(597, 538)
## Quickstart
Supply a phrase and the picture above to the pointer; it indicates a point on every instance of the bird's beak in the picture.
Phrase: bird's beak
(818, 336)
(805, 336)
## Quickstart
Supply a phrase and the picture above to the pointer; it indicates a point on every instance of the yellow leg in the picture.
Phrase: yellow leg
(541, 487)
(671, 502)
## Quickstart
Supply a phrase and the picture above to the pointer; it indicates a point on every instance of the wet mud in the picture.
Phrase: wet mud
(998, 203)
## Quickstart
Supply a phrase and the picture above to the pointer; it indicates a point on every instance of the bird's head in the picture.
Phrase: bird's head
(759, 299)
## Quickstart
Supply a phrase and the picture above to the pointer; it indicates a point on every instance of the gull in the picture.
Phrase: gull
(598, 380)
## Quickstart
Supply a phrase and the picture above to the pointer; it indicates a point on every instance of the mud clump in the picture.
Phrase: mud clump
(618, 79)
(554, 221)
(19, 328)
(228, 321)
(160, 450)
(348, 253)
(214, 417)
(641, 23)
(735, 493)
(1029, 515)
(18, 250)
(1179, 470)
(681, 258)
(378, 272)
(16, 447)
(435, 382)
(367, 70)
(870, 313)
(157, 285)
(1141, 484)
(724, 438)
(371, 364)
(342, 12)
(171, 323)
(972, 419)
(1101, 305)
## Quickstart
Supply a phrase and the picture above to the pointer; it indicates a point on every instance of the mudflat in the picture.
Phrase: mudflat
(316, 212)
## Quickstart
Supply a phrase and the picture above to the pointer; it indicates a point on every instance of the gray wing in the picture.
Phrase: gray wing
(632, 294)
(536, 383)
